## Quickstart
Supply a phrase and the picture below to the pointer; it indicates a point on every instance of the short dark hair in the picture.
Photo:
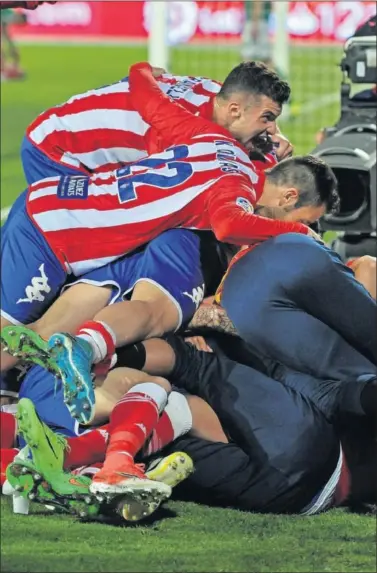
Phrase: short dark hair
(257, 79)
(312, 177)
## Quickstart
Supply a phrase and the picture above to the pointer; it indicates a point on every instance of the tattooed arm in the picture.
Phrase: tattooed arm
(214, 318)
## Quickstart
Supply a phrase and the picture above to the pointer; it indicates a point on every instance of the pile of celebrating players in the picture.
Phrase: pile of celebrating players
(171, 325)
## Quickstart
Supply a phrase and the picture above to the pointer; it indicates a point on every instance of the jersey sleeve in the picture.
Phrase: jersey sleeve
(231, 211)
(169, 118)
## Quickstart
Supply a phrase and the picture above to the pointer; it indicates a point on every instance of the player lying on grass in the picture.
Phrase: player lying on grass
(283, 454)
(278, 416)
(175, 415)
(305, 194)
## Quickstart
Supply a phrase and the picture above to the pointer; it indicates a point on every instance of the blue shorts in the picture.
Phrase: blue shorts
(172, 262)
(31, 275)
(46, 393)
(36, 166)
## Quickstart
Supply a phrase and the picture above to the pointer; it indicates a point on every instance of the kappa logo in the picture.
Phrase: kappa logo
(22, 370)
(196, 296)
(38, 286)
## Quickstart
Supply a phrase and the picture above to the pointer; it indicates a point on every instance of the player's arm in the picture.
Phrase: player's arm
(171, 120)
(231, 210)
(214, 318)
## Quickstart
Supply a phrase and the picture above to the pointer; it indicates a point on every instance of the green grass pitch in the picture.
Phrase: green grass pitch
(188, 537)
(191, 538)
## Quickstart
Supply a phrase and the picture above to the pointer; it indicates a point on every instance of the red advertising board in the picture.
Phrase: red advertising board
(190, 21)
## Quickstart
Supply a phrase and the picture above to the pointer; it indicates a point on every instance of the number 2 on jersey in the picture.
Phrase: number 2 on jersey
(174, 172)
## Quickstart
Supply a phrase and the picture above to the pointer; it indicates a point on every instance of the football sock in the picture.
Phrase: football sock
(87, 449)
(175, 421)
(8, 426)
(132, 422)
(100, 337)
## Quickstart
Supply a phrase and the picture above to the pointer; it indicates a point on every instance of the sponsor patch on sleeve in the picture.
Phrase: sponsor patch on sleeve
(73, 187)
(245, 204)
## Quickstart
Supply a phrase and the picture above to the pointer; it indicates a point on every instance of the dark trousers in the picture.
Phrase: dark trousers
(335, 399)
(293, 301)
(283, 450)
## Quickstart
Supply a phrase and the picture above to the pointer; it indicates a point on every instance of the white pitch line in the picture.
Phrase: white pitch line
(312, 105)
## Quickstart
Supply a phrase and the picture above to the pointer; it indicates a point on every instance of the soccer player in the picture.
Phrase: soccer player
(175, 416)
(265, 419)
(284, 435)
(77, 137)
(101, 129)
(171, 262)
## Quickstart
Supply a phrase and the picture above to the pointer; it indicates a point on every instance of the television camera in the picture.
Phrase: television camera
(349, 147)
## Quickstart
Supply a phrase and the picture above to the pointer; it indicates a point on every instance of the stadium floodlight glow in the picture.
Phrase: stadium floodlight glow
(350, 148)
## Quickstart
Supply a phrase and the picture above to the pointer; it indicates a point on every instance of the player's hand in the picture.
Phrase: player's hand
(282, 146)
(157, 72)
(199, 343)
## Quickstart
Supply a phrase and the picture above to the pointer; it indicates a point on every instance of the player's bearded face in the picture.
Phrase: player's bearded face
(251, 116)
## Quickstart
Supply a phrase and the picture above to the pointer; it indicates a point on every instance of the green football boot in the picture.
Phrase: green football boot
(28, 346)
(46, 467)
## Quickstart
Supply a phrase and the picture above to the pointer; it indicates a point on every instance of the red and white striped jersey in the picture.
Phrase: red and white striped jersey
(89, 222)
(100, 130)
(206, 181)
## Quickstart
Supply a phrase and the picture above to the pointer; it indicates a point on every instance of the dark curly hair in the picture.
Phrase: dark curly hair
(314, 179)
(257, 79)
